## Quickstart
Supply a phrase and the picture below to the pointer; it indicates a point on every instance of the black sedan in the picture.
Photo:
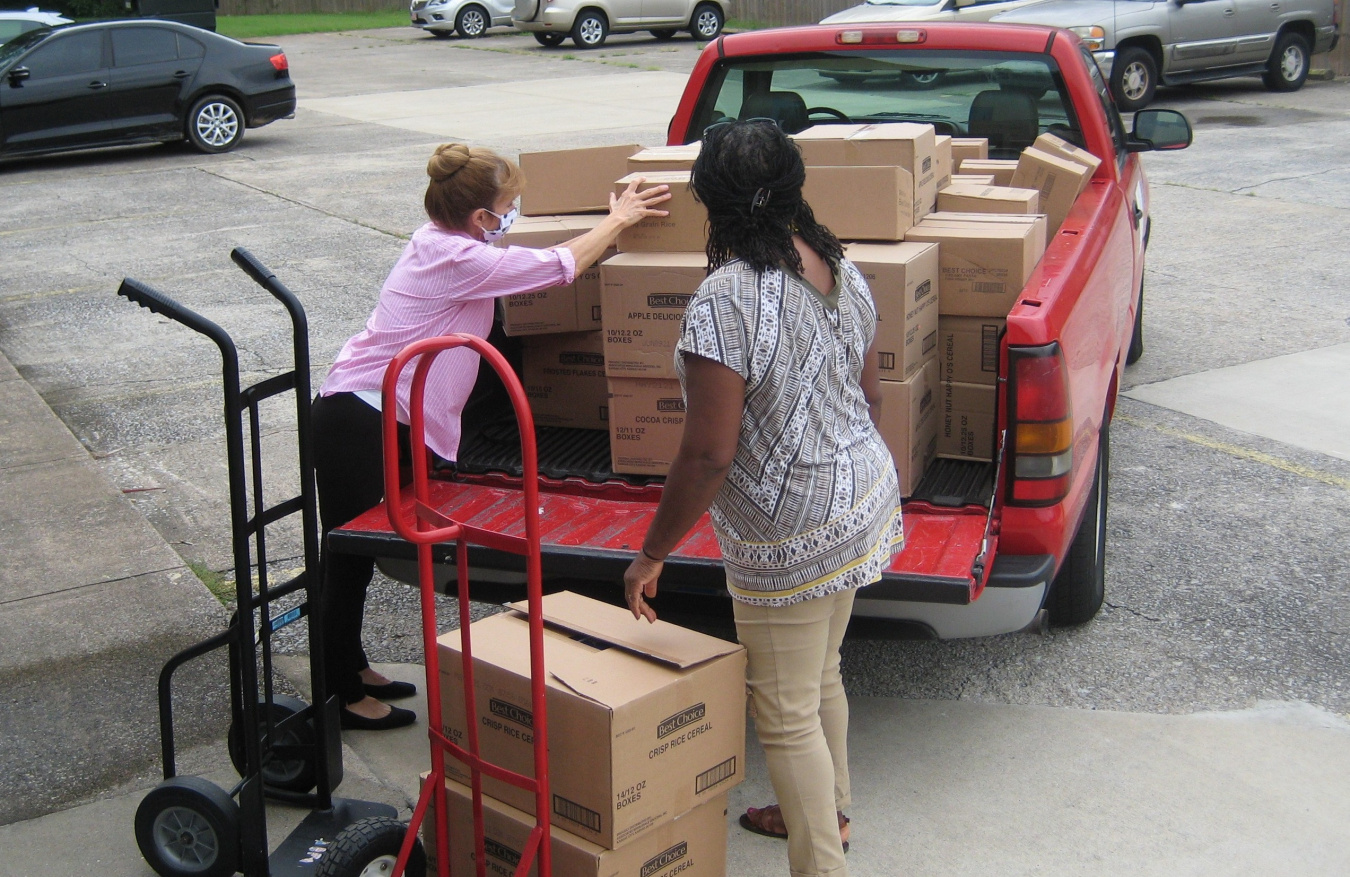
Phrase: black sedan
(115, 83)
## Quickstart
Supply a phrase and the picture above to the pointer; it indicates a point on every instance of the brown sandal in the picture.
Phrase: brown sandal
(754, 820)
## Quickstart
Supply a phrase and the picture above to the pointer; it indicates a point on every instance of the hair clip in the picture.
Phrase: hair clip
(760, 200)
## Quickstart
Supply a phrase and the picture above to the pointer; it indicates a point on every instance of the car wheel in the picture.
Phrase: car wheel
(1079, 590)
(1287, 69)
(472, 22)
(665, 33)
(590, 30)
(1136, 350)
(549, 39)
(921, 81)
(706, 22)
(1134, 79)
(215, 124)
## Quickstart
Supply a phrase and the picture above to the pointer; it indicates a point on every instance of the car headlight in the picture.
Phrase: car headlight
(1094, 36)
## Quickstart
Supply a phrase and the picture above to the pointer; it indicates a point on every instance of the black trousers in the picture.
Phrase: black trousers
(349, 472)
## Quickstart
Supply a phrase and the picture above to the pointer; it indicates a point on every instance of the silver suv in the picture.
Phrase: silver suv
(1141, 44)
(590, 22)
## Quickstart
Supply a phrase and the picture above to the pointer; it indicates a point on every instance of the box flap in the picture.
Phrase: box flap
(663, 641)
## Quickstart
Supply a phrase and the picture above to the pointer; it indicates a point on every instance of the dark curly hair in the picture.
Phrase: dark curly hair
(749, 176)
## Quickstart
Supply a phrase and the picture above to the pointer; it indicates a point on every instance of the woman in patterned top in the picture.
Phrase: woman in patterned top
(780, 445)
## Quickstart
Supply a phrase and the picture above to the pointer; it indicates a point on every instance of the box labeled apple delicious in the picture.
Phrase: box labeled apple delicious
(645, 721)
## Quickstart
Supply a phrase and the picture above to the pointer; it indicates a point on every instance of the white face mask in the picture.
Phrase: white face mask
(493, 235)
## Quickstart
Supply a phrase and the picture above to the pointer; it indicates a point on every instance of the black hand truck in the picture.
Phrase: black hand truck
(283, 748)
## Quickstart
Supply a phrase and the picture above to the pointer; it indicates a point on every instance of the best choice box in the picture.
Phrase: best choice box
(987, 199)
(664, 158)
(692, 845)
(572, 180)
(684, 230)
(966, 417)
(968, 349)
(646, 423)
(571, 308)
(909, 423)
(1048, 142)
(942, 160)
(1002, 169)
(885, 214)
(643, 300)
(983, 265)
(564, 378)
(906, 145)
(645, 721)
(903, 278)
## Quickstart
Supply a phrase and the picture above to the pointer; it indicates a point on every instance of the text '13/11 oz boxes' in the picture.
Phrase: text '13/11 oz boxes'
(645, 721)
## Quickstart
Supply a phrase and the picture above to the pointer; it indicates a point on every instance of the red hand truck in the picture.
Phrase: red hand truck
(414, 519)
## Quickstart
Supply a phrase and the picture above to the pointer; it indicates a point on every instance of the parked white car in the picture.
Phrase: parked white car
(468, 18)
(590, 22)
(14, 23)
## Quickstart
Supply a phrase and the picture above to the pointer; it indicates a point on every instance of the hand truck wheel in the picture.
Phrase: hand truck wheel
(188, 827)
(369, 848)
(295, 774)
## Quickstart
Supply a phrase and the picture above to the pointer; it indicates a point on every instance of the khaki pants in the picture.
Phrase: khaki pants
(802, 720)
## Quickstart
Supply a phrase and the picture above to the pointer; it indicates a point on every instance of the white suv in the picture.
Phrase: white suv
(590, 22)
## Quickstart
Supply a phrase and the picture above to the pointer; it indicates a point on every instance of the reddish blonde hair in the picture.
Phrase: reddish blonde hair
(465, 179)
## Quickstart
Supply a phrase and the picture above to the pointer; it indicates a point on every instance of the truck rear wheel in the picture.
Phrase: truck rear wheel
(1078, 591)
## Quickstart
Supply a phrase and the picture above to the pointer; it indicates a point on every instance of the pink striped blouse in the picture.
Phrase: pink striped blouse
(444, 283)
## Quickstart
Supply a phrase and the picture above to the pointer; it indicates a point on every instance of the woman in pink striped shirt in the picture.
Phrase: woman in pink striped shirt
(445, 282)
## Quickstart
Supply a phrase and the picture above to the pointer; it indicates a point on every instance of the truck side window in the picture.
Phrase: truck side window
(1108, 107)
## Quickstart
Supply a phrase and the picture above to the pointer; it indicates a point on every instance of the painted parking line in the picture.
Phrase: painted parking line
(520, 109)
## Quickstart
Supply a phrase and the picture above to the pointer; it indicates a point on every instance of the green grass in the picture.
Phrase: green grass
(219, 586)
(739, 24)
(243, 27)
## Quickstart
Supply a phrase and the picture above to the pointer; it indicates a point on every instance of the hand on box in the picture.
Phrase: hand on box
(633, 206)
(639, 582)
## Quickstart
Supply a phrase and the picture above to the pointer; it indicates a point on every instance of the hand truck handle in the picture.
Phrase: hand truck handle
(158, 303)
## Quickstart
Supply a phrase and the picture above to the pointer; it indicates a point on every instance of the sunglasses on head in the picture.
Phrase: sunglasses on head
(723, 123)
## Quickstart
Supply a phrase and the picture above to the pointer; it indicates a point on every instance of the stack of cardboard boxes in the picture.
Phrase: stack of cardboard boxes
(946, 236)
(646, 735)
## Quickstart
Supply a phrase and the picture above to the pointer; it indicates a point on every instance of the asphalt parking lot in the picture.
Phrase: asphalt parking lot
(1230, 483)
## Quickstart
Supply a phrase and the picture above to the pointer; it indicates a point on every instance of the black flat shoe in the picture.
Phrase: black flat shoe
(391, 690)
(397, 718)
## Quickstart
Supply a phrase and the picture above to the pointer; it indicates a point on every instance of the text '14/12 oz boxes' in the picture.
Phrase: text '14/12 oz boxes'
(564, 379)
(646, 424)
(903, 278)
(645, 721)
(692, 845)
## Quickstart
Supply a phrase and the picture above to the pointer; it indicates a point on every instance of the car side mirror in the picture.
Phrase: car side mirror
(18, 75)
(1159, 129)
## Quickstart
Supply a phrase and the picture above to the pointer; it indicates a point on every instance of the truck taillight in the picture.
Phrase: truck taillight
(280, 63)
(1040, 423)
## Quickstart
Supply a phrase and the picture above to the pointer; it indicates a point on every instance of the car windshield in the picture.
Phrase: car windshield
(17, 46)
(963, 94)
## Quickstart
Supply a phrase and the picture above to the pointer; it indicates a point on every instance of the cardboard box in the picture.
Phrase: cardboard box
(664, 158)
(646, 721)
(692, 845)
(1048, 142)
(571, 308)
(966, 420)
(564, 378)
(987, 199)
(1037, 221)
(684, 230)
(984, 265)
(907, 145)
(572, 180)
(646, 423)
(903, 278)
(1001, 169)
(972, 179)
(909, 424)
(1059, 180)
(969, 147)
(643, 299)
(942, 160)
(884, 215)
(968, 349)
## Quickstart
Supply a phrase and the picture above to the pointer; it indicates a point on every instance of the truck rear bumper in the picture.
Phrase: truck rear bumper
(1009, 602)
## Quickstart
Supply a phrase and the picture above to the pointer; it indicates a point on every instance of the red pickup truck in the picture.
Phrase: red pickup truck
(988, 546)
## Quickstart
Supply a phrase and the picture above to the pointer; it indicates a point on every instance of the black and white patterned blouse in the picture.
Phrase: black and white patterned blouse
(811, 505)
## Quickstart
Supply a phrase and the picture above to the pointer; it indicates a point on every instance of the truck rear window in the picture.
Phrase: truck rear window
(1010, 98)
